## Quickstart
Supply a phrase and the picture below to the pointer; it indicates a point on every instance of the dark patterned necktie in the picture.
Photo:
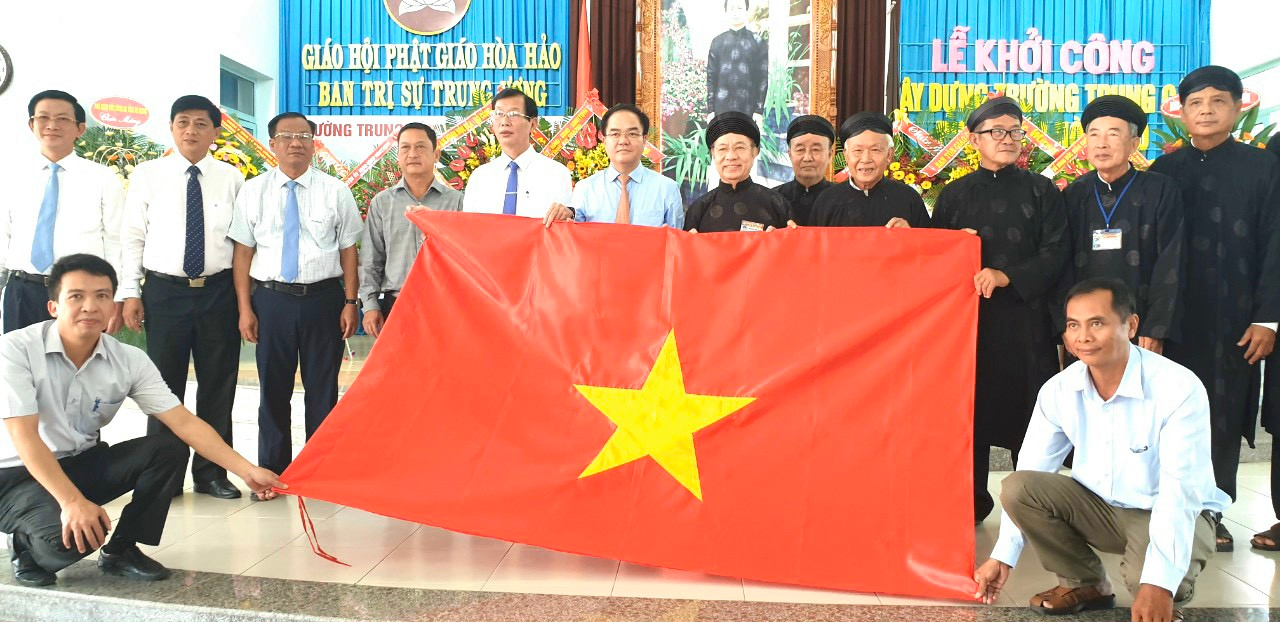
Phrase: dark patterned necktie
(193, 257)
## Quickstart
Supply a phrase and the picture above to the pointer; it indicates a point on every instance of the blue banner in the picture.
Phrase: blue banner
(421, 57)
(1054, 56)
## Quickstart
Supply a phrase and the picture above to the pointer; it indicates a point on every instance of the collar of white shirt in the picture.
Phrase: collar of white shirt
(180, 163)
(524, 160)
(1130, 384)
(279, 179)
(53, 342)
(71, 162)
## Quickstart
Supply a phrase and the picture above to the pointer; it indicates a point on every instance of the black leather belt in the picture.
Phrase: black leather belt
(38, 279)
(189, 282)
(301, 289)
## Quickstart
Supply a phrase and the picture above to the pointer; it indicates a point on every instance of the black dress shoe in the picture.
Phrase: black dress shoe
(25, 569)
(220, 488)
(132, 564)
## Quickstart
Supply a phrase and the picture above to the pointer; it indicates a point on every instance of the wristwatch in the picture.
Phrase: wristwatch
(351, 301)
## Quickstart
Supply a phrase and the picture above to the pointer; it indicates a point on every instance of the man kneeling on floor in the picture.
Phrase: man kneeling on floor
(1141, 484)
(65, 380)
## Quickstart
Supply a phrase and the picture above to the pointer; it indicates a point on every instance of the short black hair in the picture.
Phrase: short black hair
(55, 94)
(431, 134)
(530, 106)
(196, 102)
(633, 109)
(271, 125)
(92, 264)
(1122, 300)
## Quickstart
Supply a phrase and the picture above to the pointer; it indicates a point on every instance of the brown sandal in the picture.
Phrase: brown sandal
(1272, 534)
(1065, 600)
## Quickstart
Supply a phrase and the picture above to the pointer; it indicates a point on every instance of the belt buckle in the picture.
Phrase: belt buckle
(196, 282)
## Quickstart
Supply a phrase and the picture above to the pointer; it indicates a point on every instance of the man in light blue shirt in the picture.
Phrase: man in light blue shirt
(625, 192)
(1142, 481)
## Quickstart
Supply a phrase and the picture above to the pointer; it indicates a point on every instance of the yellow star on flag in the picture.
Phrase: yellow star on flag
(658, 420)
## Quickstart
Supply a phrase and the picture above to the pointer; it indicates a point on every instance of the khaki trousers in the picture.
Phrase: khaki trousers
(1065, 522)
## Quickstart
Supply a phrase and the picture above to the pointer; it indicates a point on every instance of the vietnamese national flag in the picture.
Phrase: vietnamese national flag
(791, 406)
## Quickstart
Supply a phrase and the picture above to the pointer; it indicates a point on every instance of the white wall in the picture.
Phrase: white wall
(153, 51)
(1242, 36)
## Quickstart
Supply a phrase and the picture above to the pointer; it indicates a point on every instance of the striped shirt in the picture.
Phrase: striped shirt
(327, 216)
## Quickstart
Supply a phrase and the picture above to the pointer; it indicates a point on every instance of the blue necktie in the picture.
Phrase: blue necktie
(193, 257)
(42, 243)
(509, 204)
(289, 253)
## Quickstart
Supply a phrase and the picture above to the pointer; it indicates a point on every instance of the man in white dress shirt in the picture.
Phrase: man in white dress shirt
(1141, 484)
(177, 274)
(520, 181)
(296, 278)
(59, 204)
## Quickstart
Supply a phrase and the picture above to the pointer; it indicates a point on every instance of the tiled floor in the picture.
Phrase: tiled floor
(266, 540)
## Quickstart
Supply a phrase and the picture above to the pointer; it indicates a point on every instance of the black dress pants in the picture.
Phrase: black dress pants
(200, 323)
(293, 329)
(150, 467)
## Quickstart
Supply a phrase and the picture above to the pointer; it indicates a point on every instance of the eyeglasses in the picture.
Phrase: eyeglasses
(510, 115)
(998, 133)
(289, 137)
(616, 135)
(59, 121)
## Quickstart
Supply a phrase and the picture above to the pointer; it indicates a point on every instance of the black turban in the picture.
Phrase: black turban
(862, 122)
(992, 108)
(1117, 106)
(732, 123)
(1217, 77)
(811, 124)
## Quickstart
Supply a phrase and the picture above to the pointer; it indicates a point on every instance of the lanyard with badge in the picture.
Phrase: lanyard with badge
(1109, 239)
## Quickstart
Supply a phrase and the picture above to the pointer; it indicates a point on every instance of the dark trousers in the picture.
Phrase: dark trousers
(1225, 453)
(25, 303)
(150, 467)
(1275, 478)
(201, 323)
(292, 327)
(982, 501)
(387, 301)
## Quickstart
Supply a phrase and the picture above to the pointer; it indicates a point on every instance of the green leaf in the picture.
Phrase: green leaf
(1265, 135)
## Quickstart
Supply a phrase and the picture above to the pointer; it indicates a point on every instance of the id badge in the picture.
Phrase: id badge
(747, 225)
(1106, 239)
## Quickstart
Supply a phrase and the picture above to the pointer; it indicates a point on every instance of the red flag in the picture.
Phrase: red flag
(582, 77)
(792, 406)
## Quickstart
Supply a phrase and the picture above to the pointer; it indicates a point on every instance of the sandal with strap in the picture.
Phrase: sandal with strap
(1224, 543)
(1063, 600)
(1272, 534)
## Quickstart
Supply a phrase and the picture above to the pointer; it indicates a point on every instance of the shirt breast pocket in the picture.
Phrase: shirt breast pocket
(268, 227)
(1142, 461)
(323, 230)
(98, 413)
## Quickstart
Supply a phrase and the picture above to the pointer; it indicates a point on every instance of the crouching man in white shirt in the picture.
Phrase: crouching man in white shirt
(1141, 484)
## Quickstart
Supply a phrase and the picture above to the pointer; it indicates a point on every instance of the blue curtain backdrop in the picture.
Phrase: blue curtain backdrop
(351, 21)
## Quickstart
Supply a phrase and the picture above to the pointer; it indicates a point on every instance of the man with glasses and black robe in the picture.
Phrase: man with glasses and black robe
(1020, 217)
